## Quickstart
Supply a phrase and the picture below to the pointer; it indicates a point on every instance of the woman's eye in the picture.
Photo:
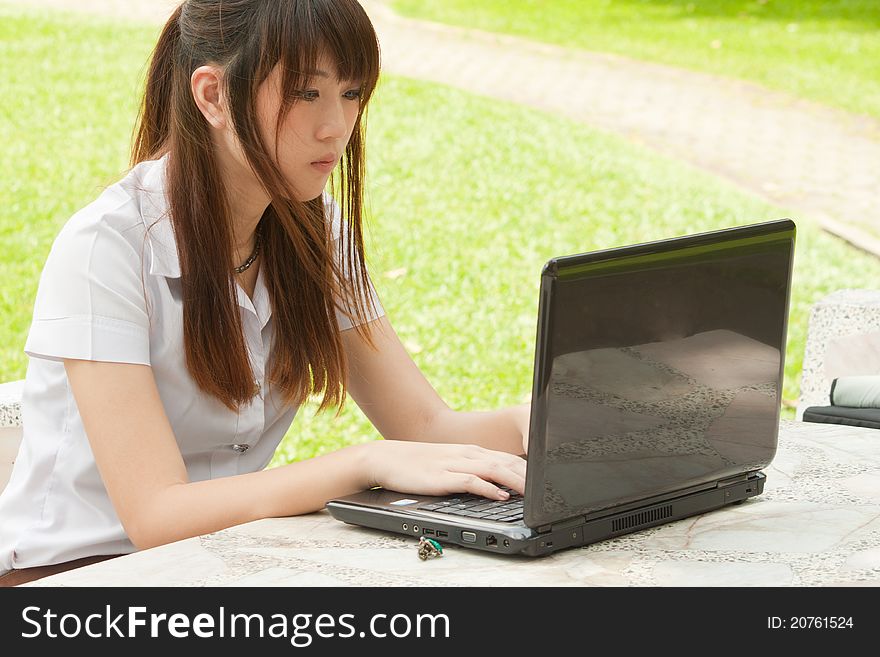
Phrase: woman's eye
(313, 94)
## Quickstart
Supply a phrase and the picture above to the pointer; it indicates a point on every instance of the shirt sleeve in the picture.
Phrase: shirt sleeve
(91, 300)
(335, 216)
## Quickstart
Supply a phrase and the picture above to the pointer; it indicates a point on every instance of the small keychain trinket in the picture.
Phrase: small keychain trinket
(428, 548)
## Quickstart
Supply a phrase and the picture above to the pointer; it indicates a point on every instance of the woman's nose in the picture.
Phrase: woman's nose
(332, 124)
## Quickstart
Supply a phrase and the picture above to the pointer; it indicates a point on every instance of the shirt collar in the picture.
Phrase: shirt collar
(150, 177)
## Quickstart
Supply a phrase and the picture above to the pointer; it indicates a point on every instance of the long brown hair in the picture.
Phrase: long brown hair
(306, 280)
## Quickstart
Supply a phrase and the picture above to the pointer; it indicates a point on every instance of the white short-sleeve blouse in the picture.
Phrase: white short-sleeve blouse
(110, 291)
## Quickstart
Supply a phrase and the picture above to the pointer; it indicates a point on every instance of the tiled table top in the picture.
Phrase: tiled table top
(10, 403)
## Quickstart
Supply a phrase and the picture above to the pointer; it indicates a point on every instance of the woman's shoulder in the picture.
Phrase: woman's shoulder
(118, 217)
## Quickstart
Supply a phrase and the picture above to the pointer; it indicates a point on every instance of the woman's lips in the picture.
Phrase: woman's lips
(324, 166)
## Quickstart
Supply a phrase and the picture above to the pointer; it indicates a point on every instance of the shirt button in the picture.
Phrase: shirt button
(241, 449)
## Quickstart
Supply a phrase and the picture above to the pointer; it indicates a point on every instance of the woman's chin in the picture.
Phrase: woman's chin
(306, 196)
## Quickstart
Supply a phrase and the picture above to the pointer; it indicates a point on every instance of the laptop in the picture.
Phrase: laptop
(656, 396)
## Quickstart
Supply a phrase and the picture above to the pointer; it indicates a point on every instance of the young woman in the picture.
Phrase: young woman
(184, 315)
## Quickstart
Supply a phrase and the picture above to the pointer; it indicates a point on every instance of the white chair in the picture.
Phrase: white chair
(843, 339)
(10, 427)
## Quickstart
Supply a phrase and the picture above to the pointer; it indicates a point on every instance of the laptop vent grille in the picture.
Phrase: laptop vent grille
(641, 518)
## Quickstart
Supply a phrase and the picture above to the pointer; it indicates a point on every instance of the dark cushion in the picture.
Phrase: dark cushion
(857, 417)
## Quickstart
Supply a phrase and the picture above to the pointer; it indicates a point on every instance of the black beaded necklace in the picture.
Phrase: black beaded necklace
(258, 238)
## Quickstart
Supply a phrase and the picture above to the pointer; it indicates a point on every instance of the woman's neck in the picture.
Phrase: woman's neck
(246, 197)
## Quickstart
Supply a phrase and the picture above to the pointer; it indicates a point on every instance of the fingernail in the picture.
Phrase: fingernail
(504, 494)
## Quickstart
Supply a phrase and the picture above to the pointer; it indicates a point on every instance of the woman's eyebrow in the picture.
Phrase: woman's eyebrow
(324, 74)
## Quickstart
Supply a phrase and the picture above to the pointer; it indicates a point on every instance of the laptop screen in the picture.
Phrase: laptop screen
(658, 368)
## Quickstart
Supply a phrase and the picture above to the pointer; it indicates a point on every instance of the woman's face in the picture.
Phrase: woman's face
(316, 130)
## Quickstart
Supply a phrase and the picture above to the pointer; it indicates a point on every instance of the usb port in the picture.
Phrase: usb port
(429, 532)
(442, 534)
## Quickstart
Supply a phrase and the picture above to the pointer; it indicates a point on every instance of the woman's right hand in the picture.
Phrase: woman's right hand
(443, 469)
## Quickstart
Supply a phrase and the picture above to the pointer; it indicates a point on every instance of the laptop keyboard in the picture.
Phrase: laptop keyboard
(475, 506)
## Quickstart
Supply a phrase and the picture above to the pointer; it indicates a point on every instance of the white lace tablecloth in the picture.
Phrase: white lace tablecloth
(817, 523)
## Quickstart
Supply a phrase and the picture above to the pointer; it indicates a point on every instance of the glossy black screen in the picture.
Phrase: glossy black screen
(659, 368)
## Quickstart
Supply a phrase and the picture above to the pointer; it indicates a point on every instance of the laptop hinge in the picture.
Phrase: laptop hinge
(577, 521)
(734, 479)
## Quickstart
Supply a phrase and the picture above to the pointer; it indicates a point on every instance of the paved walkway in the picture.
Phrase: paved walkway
(818, 162)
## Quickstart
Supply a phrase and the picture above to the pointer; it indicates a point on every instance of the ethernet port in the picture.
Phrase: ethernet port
(491, 541)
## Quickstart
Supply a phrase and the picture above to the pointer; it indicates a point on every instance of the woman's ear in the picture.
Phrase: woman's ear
(207, 90)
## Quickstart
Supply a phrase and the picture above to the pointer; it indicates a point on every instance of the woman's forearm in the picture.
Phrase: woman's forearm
(502, 430)
(192, 509)
(196, 508)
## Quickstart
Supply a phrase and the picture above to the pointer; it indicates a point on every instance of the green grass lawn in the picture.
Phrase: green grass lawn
(67, 101)
(469, 197)
(824, 50)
